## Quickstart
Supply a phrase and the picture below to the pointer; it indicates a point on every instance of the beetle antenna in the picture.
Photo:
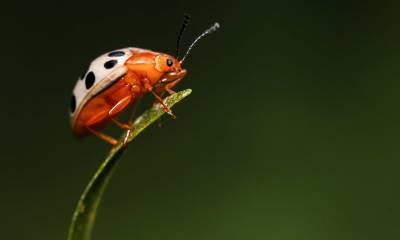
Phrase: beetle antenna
(213, 28)
(186, 19)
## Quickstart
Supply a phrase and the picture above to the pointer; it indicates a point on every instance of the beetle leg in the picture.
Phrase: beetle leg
(170, 91)
(132, 110)
(120, 124)
(93, 121)
(158, 98)
(131, 119)
(102, 136)
(118, 107)
(160, 94)
(159, 121)
(168, 87)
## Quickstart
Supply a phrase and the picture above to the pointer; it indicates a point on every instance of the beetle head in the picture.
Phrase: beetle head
(170, 67)
(166, 63)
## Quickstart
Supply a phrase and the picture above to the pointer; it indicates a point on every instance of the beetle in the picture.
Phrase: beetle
(118, 79)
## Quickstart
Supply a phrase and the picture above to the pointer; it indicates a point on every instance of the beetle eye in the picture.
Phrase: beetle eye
(169, 62)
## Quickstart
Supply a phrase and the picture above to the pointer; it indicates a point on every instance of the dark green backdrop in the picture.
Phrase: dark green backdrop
(292, 130)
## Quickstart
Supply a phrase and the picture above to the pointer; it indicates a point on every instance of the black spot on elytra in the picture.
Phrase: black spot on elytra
(73, 103)
(116, 54)
(110, 64)
(89, 80)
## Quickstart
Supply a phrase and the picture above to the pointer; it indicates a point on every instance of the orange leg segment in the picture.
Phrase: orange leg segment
(150, 88)
(99, 117)
(118, 107)
(102, 136)
(104, 114)
(168, 87)
(160, 100)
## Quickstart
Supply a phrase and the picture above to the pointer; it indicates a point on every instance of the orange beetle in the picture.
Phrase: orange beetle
(119, 78)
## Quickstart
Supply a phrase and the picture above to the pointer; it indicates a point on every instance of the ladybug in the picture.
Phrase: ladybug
(118, 79)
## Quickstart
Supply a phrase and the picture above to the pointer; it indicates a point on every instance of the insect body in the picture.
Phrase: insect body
(117, 79)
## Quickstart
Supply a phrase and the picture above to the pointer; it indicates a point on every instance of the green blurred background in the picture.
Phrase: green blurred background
(292, 130)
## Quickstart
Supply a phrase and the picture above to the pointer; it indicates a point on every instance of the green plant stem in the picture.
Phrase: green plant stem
(85, 213)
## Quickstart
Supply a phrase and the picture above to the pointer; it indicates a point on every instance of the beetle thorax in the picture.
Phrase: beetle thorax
(144, 66)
